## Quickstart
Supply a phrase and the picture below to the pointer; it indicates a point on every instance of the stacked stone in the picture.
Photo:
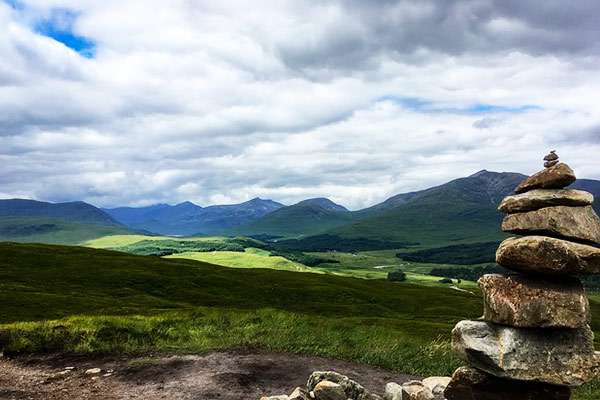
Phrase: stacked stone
(534, 341)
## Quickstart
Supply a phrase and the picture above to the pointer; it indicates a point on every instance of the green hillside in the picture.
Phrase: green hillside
(303, 219)
(109, 301)
(463, 210)
(76, 211)
(53, 231)
(82, 300)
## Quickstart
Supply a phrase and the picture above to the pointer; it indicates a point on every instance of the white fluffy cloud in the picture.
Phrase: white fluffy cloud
(222, 101)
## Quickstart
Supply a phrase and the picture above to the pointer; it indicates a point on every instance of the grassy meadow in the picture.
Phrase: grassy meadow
(59, 298)
(86, 300)
(366, 264)
(250, 258)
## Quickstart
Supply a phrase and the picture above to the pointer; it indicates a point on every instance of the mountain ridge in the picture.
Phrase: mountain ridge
(187, 218)
(463, 209)
(306, 217)
(75, 211)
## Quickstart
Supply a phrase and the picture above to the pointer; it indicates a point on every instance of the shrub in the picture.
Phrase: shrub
(396, 276)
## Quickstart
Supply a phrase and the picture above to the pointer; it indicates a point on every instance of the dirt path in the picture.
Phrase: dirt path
(222, 375)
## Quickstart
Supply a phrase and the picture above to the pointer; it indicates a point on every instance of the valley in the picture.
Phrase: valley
(383, 285)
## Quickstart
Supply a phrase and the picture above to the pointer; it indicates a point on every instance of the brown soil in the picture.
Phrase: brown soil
(222, 375)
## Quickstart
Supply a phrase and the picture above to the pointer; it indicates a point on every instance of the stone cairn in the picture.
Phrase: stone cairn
(534, 341)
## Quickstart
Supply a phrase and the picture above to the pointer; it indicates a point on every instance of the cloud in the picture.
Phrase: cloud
(222, 102)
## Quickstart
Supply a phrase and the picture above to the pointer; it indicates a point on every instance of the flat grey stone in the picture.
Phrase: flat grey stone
(540, 198)
(554, 356)
(546, 255)
(576, 223)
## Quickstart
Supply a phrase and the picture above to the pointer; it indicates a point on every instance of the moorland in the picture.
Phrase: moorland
(310, 278)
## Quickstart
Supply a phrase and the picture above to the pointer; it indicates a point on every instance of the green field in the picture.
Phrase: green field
(377, 264)
(83, 300)
(366, 265)
(250, 258)
(115, 241)
(110, 301)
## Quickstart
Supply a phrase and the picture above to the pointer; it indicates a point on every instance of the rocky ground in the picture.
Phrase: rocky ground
(223, 375)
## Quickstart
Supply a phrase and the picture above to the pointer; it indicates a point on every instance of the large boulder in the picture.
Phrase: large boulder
(351, 389)
(471, 384)
(554, 356)
(533, 302)
(555, 177)
(540, 198)
(578, 223)
(546, 255)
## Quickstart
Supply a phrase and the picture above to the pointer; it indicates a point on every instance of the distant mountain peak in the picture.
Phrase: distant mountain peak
(186, 203)
(324, 203)
(479, 173)
(76, 211)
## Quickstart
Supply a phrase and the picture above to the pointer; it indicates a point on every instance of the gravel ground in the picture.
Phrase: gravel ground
(223, 375)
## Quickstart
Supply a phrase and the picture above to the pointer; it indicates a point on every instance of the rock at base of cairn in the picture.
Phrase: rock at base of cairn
(528, 302)
(393, 391)
(326, 390)
(540, 198)
(555, 356)
(437, 385)
(546, 255)
(471, 384)
(556, 177)
(415, 390)
(352, 390)
(577, 223)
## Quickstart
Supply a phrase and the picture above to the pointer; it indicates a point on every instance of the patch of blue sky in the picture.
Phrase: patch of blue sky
(486, 108)
(424, 106)
(15, 4)
(60, 28)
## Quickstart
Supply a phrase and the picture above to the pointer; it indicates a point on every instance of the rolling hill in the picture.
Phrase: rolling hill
(189, 219)
(113, 302)
(58, 223)
(462, 210)
(76, 211)
(308, 217)
(53, 230)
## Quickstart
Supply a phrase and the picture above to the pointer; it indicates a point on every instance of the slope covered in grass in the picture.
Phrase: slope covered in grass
(53, 231)
(60, 298)
(76, 280)
(87, 300)
(250, 258)
(77, 211)
(463, 210)
(309, 217)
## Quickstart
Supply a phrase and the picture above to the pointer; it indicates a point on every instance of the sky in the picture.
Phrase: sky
(132, 103)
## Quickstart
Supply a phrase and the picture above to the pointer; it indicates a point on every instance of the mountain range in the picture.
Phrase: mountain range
(189, 219)
(462, 210)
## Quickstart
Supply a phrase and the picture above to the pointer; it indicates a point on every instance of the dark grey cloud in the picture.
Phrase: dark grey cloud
(368, 31)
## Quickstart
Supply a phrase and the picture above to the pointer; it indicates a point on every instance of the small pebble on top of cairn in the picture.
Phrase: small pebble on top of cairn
(534, 341)
(551, 159)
